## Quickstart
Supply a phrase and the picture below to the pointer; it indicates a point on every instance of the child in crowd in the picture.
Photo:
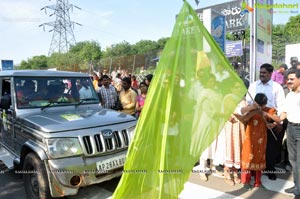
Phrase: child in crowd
(258, 118)
(140, 99)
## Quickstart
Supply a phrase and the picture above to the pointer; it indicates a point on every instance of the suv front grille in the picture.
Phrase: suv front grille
(117, 139)
(97, 143)
(87, 144)
(125, 137)
(109, 144)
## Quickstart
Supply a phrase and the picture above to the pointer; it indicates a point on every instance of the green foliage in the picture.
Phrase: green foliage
(66, 61)
(292, 29)
(230, 36)
(162, 42)
(145, 46)
(120, 49)
(279, 40)
(283, 35)
(36, 62)
(87, 50)
(24, 65)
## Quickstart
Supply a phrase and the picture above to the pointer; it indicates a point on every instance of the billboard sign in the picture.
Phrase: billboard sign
(218, 28)
(7, 65)
(231, 10)
(215, 24)
(264, 21)
(234, 48)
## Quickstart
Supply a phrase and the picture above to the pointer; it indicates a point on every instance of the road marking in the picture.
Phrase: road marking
(277, 185)
(194, 191)
(93, 192)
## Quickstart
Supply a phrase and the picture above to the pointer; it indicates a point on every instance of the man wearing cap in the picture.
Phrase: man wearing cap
(294, 61)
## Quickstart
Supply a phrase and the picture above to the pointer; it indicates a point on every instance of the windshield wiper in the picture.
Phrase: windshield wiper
(85, 100)
(53, 103)
(47, 105)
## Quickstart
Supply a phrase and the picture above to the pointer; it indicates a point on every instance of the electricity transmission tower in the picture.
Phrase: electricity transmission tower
(62, 27)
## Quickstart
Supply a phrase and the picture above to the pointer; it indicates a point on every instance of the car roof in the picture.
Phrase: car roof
(41, 73)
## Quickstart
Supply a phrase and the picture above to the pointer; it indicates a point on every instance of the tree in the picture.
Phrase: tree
(145, 46)
(279, 40)
(149, 49)
(66, 61)
(292, 29)
(39, 62)
(283, 35)
(83, 55)
(24, 65)
(120, 49)
(87, 51)
(56, 60)
(162, 42)
(36, 62)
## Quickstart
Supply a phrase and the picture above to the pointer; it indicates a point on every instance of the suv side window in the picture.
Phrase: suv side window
(5, 94)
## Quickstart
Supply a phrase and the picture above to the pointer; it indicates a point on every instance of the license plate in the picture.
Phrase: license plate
(111, 163)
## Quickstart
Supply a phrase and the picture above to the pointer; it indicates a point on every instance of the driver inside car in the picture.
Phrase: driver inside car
(56, 92)
(26, 93)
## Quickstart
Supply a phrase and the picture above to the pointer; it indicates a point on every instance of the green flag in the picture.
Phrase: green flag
(189, 101)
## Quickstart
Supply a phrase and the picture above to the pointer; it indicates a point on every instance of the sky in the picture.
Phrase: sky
(104, 21)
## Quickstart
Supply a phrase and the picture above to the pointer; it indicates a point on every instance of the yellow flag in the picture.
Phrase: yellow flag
(183, 113)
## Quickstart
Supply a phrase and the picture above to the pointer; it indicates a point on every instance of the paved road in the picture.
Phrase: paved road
(11, 186)
(215, 187)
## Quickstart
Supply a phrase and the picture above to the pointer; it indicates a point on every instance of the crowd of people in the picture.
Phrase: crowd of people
(253, 139)
(122, 92)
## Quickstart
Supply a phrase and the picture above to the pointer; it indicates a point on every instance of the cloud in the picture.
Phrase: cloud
(92, 18)
(19, 12)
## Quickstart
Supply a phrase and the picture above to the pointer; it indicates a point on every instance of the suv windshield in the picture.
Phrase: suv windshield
(54, 91)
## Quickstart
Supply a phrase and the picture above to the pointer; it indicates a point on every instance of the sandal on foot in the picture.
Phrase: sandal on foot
(229, 181)
(260, 186)
(203, 177)
(236, 180)
(247, 186)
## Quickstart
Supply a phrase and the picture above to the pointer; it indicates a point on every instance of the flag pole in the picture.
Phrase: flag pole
(275, 137)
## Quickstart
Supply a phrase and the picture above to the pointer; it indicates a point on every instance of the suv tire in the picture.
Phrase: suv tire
(35, 177)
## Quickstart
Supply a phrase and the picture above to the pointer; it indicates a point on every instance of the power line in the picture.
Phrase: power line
(62, 27)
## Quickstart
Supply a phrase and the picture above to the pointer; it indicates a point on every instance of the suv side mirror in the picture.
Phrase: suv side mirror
(5, 102)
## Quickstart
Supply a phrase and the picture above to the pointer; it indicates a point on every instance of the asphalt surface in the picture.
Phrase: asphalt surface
(12, 187)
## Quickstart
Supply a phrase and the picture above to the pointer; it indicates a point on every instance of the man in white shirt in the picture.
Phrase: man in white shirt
(291, 110)
(85, 91)
(275, 94)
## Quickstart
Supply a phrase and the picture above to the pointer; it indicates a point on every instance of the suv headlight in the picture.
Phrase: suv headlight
(131, 132)
(63, 147)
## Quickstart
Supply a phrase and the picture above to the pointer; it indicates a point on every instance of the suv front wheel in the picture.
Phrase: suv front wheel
(35, 177)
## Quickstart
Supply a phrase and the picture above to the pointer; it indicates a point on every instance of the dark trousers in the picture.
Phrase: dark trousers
(293, 144)
(274, 148)
(284, 156)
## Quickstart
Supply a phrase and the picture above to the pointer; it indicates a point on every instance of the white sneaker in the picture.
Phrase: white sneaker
(203, 176)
